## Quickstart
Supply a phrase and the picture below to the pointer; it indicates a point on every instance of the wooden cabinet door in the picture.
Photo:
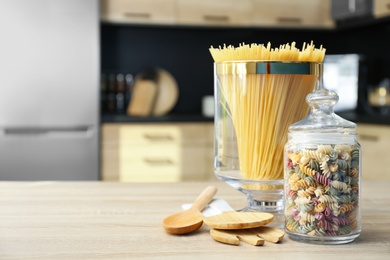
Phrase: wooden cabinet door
(138, 11)
(216, 12)
(297, 13)
(157, 152)
(381, 8)
(375, 142)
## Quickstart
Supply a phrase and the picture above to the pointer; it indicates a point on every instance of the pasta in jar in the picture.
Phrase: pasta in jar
(326, 211)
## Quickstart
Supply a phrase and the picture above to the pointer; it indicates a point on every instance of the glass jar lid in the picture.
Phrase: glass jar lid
(322, 122)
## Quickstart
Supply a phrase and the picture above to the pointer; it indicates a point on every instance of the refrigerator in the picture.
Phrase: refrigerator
(49, 90)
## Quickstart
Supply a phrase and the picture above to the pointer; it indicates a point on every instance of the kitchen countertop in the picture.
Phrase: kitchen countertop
(107, 220)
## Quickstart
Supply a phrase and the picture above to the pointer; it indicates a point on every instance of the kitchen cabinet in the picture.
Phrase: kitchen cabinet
(375, 142)
(298, 13)
(217, 12)
(381, 8)
(351, 9)
(138, 11)
(249, 13)
(162, 152)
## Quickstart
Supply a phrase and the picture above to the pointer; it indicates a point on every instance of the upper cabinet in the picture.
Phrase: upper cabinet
(249, 13)
(216, 12)
(381, 8)
(297, 13)
(138, 11)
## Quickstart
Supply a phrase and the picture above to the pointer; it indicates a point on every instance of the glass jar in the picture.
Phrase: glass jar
(322, 173)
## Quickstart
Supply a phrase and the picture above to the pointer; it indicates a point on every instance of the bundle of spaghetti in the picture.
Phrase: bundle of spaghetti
(285, 52)
(263, 106)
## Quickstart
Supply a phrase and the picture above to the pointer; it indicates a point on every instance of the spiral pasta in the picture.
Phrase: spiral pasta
(307, 170)
(343, 148)
(320, 207)
(306, 192)
(295, 157)
(303, 184)
(346, 207)
(312, 154)
(341, 186)
(322, 190)
(304, 160)
(345, 156)
(325, 169)
(307, 217)
(324, 149)
(319, 191)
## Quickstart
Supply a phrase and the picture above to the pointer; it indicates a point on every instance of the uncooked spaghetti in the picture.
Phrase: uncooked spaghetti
(260, 52)
(262, 106)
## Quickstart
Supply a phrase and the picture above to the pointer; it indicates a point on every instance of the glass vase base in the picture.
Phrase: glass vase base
(262, 196)
(319, 240)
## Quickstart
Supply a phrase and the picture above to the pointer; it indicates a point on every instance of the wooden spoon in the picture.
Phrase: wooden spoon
(192, 219)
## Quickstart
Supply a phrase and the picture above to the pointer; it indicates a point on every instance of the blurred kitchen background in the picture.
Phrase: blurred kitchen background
(121, 90)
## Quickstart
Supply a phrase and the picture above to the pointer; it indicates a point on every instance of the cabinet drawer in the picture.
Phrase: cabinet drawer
(381, 8)
(217, 12)
(298, 13)
(149, 134)
(146, 152)
(138, 11)
(375, 141)
(180, 134)
(157, 152)
(149, 163)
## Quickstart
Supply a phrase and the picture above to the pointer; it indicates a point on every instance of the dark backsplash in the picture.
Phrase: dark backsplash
(183, 51)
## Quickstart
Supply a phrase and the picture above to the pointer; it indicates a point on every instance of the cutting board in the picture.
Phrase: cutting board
(143, 98)
(155, 93)
(167, 93)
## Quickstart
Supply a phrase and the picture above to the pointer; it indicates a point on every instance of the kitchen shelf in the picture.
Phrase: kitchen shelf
(117, 118)
(365, 118)
(359, 23)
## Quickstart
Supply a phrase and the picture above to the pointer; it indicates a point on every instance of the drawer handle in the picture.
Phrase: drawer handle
(137, 15)
(372, 138)
(158, 137)
(216, 18)
(294, 20)
(157, 162)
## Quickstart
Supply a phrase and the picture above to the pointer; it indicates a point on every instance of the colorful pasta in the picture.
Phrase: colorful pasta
(322, 190)
(343, 148)
(307, 170)
(324, 149)
(313, 154)
(319, 191)
(325, 169)
(341, 186)
(306, 192)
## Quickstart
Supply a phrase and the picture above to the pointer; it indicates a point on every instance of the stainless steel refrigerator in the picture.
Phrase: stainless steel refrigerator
(49, 89)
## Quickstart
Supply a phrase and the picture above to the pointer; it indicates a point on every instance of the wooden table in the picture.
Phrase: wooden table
(97, 220)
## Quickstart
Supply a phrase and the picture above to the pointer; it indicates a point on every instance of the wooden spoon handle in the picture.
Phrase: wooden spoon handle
(205, 197)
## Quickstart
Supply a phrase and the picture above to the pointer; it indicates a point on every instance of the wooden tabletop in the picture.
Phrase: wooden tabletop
(100, 220)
